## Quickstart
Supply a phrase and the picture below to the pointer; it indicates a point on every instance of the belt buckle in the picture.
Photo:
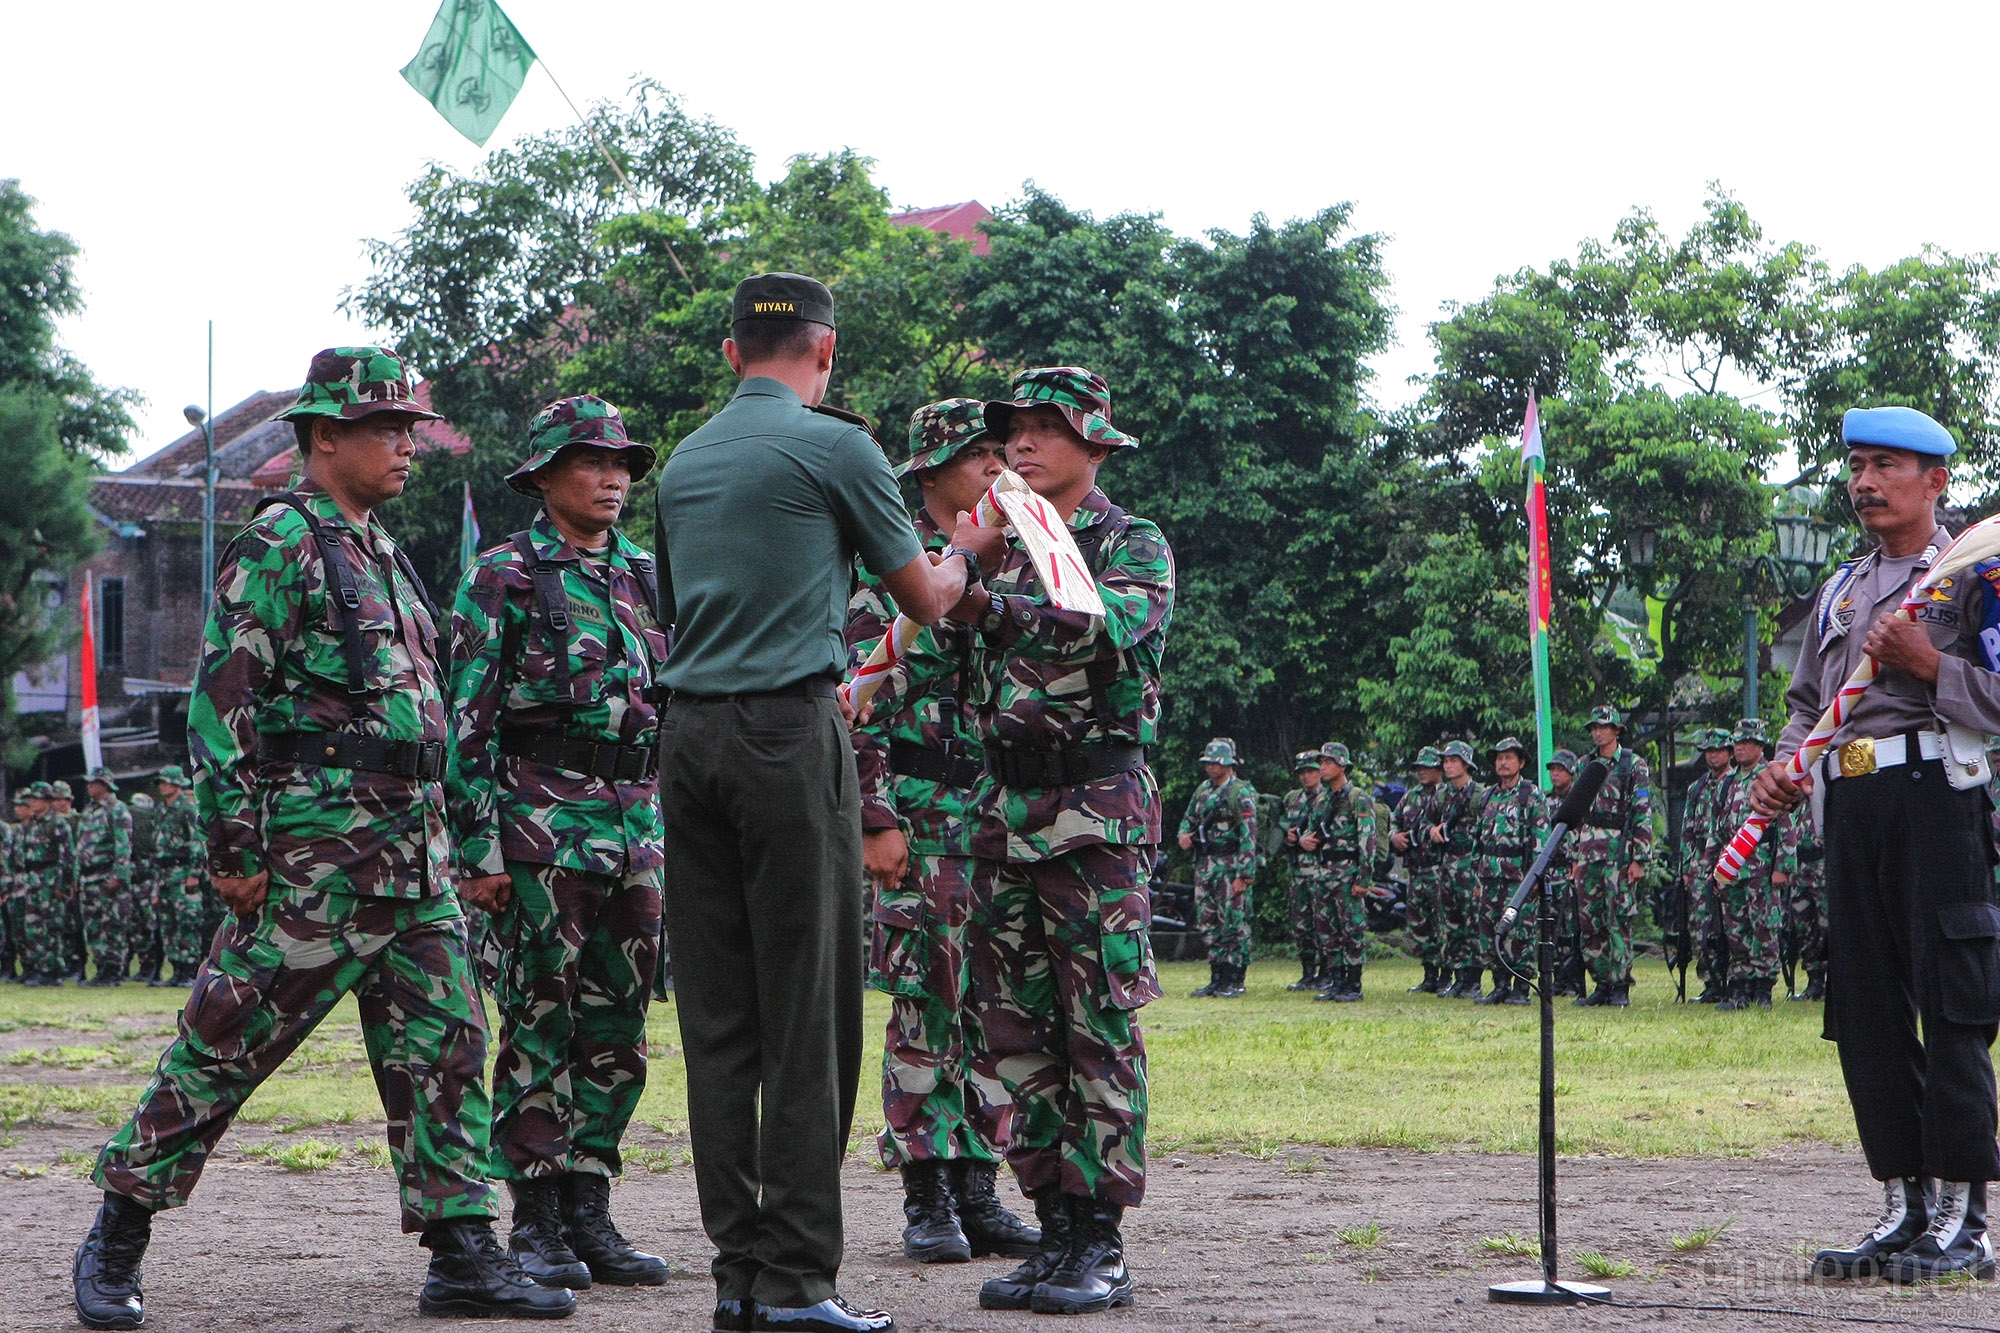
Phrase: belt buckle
(1857, 758)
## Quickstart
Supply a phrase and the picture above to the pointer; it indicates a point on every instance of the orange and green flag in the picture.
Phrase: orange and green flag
(1540, 591)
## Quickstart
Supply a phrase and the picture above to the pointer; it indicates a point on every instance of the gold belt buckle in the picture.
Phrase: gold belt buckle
(1857, 758)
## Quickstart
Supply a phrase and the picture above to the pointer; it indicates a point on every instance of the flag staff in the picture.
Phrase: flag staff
(612, 162)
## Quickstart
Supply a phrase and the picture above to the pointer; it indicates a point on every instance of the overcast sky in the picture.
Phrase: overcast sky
(227, 160)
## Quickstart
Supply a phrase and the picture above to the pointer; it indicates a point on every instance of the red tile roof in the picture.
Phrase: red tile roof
(960, 220)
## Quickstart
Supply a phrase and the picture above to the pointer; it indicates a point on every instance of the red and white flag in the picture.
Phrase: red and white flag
(93, 742)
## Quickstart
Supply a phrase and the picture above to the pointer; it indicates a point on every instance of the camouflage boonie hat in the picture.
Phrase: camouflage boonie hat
(1563, 759)
(140, 801)
(1080, 395)
(1751, 729)
(939, 430)
(1506, 743)
(1604, 715)
(103, 775)
(1460, 750)
(355, 382)
(1221, 750)
(1305, 760)
(1337, 752)
(1428, 757)
(580, 420)
(1716, 738)
(173, 773)
(36, 791)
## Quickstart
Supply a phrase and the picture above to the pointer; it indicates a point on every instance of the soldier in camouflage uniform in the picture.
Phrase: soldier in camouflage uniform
(46, 848)
(142, 939)
(1568, 979)
(76, 949)
(1750, 907)
(1220, 829)
(104, 877)
(1455, 836)
(1410, 839)
(1061, 960)
(1308, 870)
(554, 797)
(1344, 835)
(1611, 852)
(918, 766)
(180, 851)
(1803, 900)
(1700, 814)
(1513, 819)
(319, 729)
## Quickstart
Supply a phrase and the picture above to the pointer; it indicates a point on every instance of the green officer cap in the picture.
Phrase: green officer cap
(1082, 396)
(1461, 750)
(1752, 729)
(1221, 750)
(1563, 759)
(1337, 752)
(583, 419)
(355, 382)
(1513, 743)
(103, 775)
(788, 296)
(173, 773)
(1305, 759)
(939, 430)
(1606, 716)
(1428, 757)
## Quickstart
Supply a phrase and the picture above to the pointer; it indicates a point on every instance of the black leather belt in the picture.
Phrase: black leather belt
(812, 687)
(422, 761)
(1812, 854)
(1603, 821)
(598, 759)
(1514, 849)
(907, 759)
(1064, 768)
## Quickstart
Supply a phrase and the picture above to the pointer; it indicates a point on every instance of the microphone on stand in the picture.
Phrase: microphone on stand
(1575, 806)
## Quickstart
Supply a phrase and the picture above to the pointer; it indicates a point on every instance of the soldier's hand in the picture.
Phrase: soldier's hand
(1186, 840)
(1291, 836)
(989, 544)
(970, 607)
(1634, 873)
(1400, 841)
(191, 882)
(489, 893)
(1576, 873)
(1904, 645)
(242, 894)
(1238, 887)
(1779, 879)
(885, 856)
(1309, 841)
(1773, 792)
(1437, 833)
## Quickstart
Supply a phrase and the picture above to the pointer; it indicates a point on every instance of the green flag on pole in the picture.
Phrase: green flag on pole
(472, 64)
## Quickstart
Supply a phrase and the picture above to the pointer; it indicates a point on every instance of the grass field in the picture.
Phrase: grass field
(1254, 1074)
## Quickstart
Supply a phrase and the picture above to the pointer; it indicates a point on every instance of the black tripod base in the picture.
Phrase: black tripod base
(1539, 1292)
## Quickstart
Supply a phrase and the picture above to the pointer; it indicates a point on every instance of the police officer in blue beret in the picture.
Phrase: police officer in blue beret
(1914, 932)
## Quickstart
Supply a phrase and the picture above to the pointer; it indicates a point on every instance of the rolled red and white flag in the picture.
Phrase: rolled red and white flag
(1979, 542)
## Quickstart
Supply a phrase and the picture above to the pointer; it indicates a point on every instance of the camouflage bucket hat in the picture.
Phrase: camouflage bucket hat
(939, 430)
(1080, 395)
(580, 420)
(1221, 750)
(1563, 759)
(1460, 750)
(1337, 752)
(174, 774)
(1751, 729)
(355, 382)
(1305, 760)
(1507, 743)
(1604, 715)
(140, 801)
(1428, 757)
(1716, 738)
(103, 775)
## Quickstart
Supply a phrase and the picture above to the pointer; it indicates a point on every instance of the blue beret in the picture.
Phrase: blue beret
(1897, 428)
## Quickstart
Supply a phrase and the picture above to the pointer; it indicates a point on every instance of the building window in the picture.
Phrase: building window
(111, 624)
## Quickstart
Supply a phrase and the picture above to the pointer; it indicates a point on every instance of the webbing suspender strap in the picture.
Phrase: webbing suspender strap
(340, 574)
(552, 605)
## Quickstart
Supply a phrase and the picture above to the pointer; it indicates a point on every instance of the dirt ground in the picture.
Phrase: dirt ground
(1223, 1242)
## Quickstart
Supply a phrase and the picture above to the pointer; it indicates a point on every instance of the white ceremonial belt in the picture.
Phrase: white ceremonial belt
(1866, 754)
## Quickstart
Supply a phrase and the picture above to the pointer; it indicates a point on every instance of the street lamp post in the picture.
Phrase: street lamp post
(1803, 546)
(205, 419)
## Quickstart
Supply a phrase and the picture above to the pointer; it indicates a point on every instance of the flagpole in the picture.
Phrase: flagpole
(611, 161)
(1540, 583)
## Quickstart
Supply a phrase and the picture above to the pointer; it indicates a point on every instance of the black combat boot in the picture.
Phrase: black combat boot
(832, 1315)
(1216, 972)
(106, 1269)
(1815, 986)
(1231, 986)
(1736, 998)
(537, 1242)
(1017, 1289)
(586, 1215)
(1334, 982)
(1955, 1242)
(1350, 986)
(1520, 989)
(1600, 996)
(988, 1225)
(1308, 972)
(471, 1277)
(1468, 983)
(1429, 985)
(1092, 1275)
(1498, 995)
(1760, 993)
(1448, 990)
(933, 1235)
(1906, 1215)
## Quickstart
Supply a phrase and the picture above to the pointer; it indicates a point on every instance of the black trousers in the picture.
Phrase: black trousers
(763, 884)
(1914, 936)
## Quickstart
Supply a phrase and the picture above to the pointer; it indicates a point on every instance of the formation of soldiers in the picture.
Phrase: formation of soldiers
(109, 892)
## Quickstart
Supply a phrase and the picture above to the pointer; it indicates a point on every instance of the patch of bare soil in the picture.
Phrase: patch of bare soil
(1223, 1242)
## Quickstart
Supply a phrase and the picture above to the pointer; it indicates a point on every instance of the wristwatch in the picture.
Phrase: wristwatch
(972, 570)
(995, 614)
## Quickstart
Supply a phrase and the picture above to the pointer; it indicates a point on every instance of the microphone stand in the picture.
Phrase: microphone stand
(1547, 1291)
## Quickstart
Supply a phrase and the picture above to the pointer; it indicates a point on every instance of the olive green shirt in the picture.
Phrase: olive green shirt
(761, 513)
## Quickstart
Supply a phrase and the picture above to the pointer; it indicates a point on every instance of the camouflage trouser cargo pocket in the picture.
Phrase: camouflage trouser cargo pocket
(1125, 946)
(898, 946)
(225, 1018)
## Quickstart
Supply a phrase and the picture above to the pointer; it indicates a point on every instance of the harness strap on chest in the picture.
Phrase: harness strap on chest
(552, 606)
(340, 577)
(1099, 673)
